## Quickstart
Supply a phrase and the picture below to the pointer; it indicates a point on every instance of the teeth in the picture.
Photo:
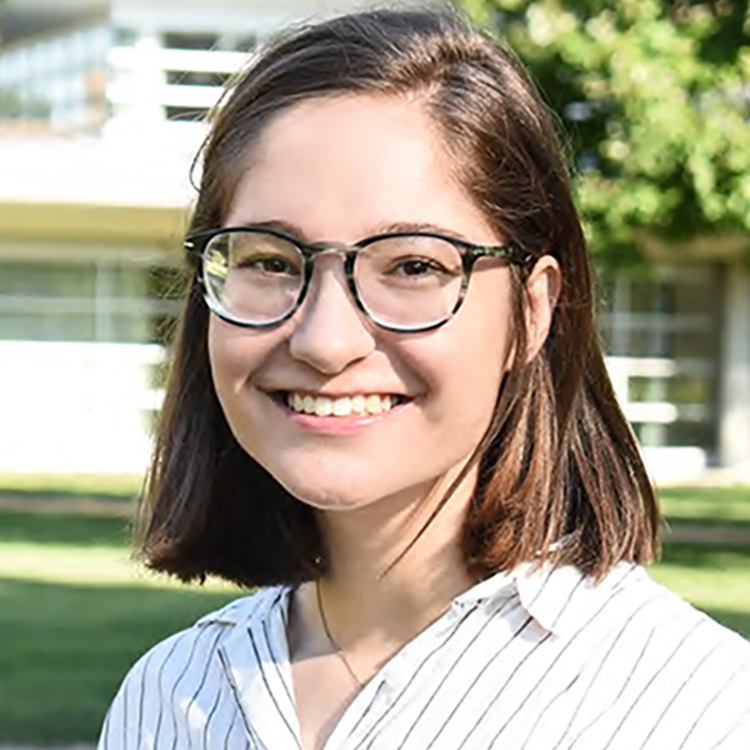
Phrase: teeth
(323, 406)
(344, 406)
(359, 404)
(373, 405)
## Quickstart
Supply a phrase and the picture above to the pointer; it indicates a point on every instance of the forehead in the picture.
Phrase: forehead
(342, 167)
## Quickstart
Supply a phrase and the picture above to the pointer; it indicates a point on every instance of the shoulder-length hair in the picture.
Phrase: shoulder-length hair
(559, 461)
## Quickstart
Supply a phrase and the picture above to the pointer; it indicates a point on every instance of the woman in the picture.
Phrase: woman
(389, 409)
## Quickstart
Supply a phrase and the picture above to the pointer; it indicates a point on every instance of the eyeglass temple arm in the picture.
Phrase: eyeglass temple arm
(506, 252)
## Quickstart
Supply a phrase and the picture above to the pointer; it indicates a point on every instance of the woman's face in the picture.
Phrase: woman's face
(343, 169)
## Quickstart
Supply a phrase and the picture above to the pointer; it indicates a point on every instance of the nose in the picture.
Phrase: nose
(330, 333)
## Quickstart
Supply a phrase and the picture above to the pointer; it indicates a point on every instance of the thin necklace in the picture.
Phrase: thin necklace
(335, 646)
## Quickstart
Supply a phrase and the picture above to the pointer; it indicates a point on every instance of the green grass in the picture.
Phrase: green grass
(75, 612)
(105, 486)
(715, 579)
(707, 506)
(75, 531)
(65, 648)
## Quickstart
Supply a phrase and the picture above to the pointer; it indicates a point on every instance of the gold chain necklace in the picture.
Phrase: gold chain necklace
(335, 646)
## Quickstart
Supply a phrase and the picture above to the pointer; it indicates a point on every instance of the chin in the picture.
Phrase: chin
(318, 478)
(327, 495)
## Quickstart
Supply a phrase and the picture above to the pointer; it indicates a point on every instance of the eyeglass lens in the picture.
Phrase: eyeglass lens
(404, 282)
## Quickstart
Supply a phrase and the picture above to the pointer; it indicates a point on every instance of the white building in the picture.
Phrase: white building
(100, 105)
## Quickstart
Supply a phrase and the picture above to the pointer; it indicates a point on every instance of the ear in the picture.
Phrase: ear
(543, 289)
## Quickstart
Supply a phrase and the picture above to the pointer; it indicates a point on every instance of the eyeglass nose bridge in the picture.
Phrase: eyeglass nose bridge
(313, 250)
(326, 246)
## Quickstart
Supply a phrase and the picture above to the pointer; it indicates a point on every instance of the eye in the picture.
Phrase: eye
(268, 264)
(273, 264)
(413, 260)
(416, 267)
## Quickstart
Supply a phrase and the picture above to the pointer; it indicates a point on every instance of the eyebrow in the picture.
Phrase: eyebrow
(281, 225)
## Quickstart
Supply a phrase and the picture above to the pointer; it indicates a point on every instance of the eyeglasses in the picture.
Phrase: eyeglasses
(403, 281)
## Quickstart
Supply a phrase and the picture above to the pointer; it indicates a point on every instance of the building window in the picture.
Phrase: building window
(661, 335)
(101, 301)
(58, 81)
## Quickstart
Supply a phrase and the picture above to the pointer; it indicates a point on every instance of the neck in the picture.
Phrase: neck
(378, 587)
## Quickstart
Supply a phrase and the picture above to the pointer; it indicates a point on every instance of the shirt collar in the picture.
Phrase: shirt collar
(560, 599)
(255, 606)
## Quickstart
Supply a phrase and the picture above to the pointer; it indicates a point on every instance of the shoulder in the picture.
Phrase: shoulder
(188, 649)
(703, 659)
(183, 670)
(641, 605)
(637, 611)
(649, 662)
(627, 601)
(691, 674)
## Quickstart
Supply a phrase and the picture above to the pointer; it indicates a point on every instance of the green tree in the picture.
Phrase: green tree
(654, 96)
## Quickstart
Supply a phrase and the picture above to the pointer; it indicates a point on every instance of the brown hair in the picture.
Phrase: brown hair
(559, 460)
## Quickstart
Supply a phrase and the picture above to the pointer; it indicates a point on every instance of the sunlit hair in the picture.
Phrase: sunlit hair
(559, 461)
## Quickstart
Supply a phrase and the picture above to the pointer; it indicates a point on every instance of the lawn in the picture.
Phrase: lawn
(707, 506)
(75, 611)
(716, 579)
(107, 486)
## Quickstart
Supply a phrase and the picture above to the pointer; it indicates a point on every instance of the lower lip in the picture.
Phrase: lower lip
(337, 425)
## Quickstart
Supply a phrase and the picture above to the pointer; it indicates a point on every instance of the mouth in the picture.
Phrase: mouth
(358, 405)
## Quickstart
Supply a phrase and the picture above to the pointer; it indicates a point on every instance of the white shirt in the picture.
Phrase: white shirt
(525, 660)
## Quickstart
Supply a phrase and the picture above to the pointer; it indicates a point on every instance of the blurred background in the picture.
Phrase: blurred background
(101, 112)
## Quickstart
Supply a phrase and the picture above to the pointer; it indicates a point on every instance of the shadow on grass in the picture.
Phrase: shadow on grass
(706, 557)
(64, 650)
(707, 522)
(64, 529)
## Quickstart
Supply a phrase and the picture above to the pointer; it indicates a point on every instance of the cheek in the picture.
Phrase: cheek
(476, 373)
(484, 352)
(234, 355)
(223, 358)
(483, 336)
(464, 362)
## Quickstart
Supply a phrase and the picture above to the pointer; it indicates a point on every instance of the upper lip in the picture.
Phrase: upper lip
(323, 393)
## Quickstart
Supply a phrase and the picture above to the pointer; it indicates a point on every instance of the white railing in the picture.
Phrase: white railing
(665, 463)
(139, 76)
(163, 59)
(622, 369)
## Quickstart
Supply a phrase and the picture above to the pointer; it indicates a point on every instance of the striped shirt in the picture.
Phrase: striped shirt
(526, 660)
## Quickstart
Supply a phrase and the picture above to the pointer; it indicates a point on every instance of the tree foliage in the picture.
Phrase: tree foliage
(654, 96)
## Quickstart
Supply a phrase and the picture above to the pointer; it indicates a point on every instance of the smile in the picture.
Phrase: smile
(342, 406)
